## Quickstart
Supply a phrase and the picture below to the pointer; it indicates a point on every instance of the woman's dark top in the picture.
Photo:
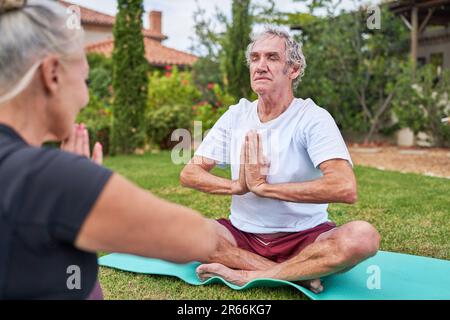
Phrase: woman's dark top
(45, 196)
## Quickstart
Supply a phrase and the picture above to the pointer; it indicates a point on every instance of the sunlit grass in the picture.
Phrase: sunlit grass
(412, 213)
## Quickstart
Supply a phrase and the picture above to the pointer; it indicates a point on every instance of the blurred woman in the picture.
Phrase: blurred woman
(57, 208)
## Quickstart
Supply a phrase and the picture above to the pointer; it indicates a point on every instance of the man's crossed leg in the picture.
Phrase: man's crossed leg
(334, 251)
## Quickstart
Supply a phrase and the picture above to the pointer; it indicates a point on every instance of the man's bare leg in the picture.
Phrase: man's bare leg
(230, 256)
(334, 251)
(228, 253)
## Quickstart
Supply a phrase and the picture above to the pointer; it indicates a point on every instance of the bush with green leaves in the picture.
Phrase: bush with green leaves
(208, 112)
(162, 121)
(171, 88)
(169, 106)
(423, 99)
(100, 76)
(98, 118)
(205, 71)
(98, 114)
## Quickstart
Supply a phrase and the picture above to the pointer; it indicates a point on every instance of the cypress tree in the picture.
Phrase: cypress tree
(130, 80)
(237, 40)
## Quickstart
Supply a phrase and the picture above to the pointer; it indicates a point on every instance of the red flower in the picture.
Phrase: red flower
(168, 74)
(169, 68)
(210, 86)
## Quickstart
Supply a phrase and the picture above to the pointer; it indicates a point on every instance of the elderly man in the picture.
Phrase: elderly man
(288, 161)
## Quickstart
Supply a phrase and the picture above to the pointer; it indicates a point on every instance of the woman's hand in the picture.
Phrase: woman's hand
(78, 142)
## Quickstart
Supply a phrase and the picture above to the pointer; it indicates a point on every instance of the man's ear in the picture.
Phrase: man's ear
(50, 69)
(295, 72)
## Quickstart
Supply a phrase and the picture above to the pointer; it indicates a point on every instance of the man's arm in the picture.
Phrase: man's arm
(338, 184)
(128, 219)
(196, 175)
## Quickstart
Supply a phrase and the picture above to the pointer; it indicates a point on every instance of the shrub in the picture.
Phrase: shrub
(204, 72)
(100, 82)
(100, 76)
(208, 112)
(171, 96)
(162, 121)
(421, 104)
(98, 119)
(172, 88)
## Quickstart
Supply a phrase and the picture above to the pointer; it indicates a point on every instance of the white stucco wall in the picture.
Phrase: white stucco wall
(96, 34)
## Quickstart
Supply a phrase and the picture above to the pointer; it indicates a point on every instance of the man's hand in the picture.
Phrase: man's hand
(78, 142)
(256, 164)
(239, 187)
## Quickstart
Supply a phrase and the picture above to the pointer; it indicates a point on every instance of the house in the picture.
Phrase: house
(99, 38)
(429, 23)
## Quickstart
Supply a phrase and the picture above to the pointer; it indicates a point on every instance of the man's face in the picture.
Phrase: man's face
(268, 69)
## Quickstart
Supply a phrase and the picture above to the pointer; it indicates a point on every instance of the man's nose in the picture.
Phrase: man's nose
(262, 65)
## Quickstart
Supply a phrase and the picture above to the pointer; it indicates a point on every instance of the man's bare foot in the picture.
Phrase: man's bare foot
(241, 277)
(237, 277)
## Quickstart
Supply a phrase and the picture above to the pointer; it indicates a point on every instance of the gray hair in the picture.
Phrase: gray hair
(294, 53)
(29, 32)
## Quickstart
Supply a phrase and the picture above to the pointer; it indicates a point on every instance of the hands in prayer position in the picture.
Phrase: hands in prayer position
(254, 166)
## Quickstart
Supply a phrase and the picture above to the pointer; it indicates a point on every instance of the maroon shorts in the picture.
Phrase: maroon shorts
(280, 248)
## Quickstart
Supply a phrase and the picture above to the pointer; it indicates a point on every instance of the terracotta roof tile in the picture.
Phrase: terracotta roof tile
(156, 53)
(89, 16)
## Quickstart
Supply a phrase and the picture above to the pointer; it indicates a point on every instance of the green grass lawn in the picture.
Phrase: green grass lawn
(411, 212)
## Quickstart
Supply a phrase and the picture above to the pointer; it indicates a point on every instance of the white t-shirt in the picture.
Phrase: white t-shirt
(295, 143)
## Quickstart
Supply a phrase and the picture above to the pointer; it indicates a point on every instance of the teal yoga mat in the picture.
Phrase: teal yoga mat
(388, 275)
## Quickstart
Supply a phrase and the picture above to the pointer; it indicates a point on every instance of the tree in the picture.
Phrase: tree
(222, 44)
(100, 77)
(236, 42)
(352, 68)
(130, 80)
